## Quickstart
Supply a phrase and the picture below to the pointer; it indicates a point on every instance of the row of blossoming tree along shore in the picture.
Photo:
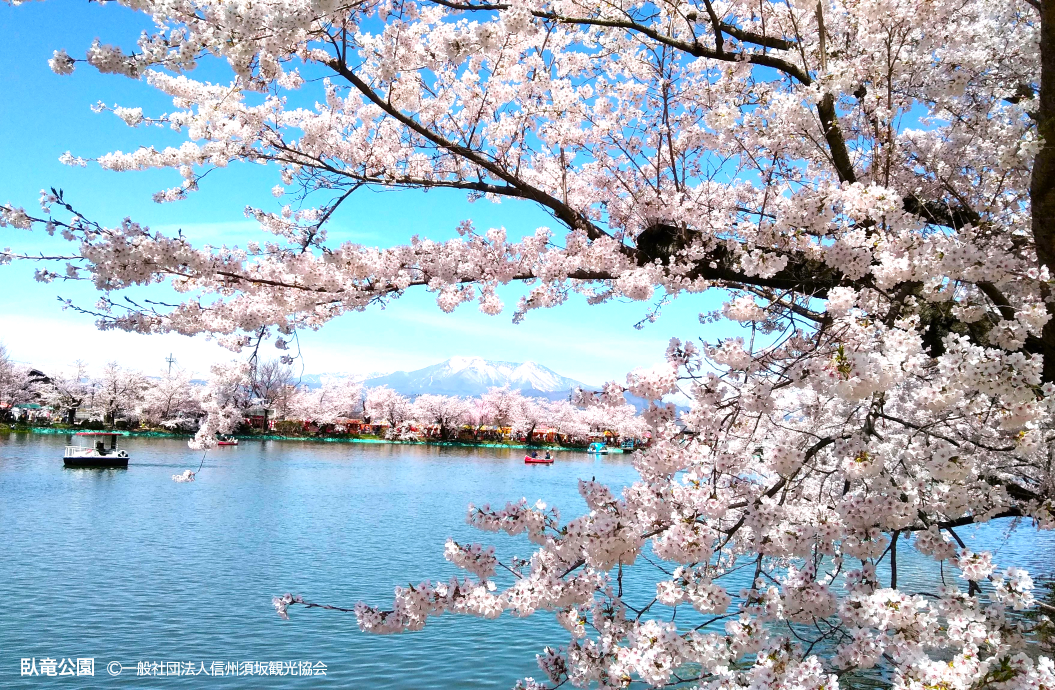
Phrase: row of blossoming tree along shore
(270, 399)
(868, 185)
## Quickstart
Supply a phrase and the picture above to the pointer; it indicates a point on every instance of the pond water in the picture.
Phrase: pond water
(129, 566)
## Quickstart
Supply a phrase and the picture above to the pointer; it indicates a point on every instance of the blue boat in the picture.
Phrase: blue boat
(597, 448)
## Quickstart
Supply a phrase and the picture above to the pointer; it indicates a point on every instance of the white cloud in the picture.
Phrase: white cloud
(49, 344)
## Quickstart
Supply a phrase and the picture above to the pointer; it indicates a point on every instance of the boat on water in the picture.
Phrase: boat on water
(229, 441)
(597, 448)
(95, 449)
(528, 460)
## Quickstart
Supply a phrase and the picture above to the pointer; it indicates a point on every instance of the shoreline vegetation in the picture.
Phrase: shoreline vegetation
(332, 438)
(264, 400)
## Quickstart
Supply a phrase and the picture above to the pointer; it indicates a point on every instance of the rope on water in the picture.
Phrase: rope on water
(187, 475)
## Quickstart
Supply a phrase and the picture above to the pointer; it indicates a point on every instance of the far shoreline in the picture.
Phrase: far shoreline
(49, 430)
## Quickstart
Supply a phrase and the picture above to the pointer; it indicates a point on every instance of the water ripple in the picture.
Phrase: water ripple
(128, 565)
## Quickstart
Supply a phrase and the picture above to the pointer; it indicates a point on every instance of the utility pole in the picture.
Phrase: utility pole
(171, 360)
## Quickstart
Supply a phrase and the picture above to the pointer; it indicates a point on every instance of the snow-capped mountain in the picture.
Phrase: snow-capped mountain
(473, 376)
(316, 380)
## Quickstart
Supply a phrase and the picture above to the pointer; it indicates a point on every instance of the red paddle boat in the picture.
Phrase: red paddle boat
(528, 460)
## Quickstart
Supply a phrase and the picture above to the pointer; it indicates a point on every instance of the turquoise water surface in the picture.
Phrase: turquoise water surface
(128, 566)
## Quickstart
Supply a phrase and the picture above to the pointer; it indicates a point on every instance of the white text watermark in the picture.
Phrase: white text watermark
(58, 666)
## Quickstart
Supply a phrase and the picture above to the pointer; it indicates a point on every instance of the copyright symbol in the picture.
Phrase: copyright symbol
(114, 668)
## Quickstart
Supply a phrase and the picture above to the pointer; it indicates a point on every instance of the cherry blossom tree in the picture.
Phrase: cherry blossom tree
(866, 184)
(335, 399)
(118, 390)
(621, 420)
(569, 421)
(66, 391)
(272, 385)
(530, 413)
(477, 416)
(445, 412)
(225, 400)
(17, 385)
(386, 406)
(171, 400)
(502, 406)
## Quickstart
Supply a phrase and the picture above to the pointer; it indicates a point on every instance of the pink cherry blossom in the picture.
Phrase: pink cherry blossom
(867, 196)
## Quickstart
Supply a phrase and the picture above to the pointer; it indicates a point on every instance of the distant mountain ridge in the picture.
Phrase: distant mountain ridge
(474, 376)
(316, 380)
(471, 377)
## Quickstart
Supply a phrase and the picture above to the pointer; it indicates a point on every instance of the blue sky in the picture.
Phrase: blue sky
(42, 115)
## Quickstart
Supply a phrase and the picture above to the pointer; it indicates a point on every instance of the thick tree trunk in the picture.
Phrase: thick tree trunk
(1042, 184)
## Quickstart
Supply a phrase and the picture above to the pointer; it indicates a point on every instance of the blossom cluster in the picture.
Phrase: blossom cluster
(854, 186)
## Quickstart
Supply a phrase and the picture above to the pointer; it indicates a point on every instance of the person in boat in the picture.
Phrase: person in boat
(100, 447)
(548, 456)
(534, 454)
